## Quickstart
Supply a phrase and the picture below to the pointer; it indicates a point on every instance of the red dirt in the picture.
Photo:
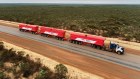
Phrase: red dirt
(92, 65)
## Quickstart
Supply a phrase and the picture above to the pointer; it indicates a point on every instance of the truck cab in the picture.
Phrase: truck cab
(116, 48)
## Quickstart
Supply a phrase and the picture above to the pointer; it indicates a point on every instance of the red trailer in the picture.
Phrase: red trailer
(93, 40)
(96, 40)
(78, 38)
(27, 27)
(45, 30)
(58, 33)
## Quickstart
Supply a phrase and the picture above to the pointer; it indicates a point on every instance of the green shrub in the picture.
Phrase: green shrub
(61, 71)
(44, 73)
(2, 75)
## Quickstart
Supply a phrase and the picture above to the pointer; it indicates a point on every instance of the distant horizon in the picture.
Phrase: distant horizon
(70, 3)
(125, 2)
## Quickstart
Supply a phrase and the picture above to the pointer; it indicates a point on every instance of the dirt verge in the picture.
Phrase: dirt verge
(73, 72)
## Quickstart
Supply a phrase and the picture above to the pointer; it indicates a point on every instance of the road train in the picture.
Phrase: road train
(73, 37)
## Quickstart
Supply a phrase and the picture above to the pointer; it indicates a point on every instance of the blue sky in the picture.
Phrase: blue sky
(75, 1)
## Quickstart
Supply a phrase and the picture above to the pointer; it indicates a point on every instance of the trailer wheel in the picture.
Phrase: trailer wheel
(80, 43)
(32, 32)
(62, 39)
(101, 48)
(21, 30)
(46, 35)
(75, 42)
(57, 38)
(70, 41)
(95, 46)
(41, 34)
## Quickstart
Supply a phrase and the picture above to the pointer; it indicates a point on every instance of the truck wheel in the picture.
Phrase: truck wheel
(101, 48)
(119, 53)
(104, 48)
(95, 46)
(80, 43)
(62, 39)
(57, 38)
(41, 34)
(70, 41)
(32, 32)
(46, 35)
(73, 41)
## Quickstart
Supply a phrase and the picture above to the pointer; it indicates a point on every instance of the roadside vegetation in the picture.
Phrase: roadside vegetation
(15, 65)
(107, 20)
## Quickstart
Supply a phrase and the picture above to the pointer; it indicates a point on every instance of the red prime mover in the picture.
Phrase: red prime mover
(80, 38)
(27, 27)
(58, 33)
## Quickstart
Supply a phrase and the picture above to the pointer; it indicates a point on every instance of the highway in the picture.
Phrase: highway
(128, 60)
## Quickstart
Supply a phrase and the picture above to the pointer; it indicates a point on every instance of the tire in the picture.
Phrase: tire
(101, 48)
(119, 53)
(75, 42)
(70, 41)
(19, 29)
(57, 38)
(32, 32)
(41, 34)
(80, 43)
(96, 46)
(46, 35)
(62, 39)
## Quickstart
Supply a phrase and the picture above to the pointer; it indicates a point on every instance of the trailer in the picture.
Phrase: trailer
(48, 31)
(45, 31)
(77, 38)
(59, 33)
(27, 27)
(96, 41)
(81, 38)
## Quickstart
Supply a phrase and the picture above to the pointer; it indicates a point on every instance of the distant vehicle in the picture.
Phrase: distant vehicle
(74, 37)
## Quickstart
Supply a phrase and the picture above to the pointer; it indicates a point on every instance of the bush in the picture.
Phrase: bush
(61, 71)
(3, 76)
(44, 73)
(28, 68)
(1, 47)
(1, 64)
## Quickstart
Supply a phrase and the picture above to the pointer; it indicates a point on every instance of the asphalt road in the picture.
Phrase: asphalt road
(128, 60)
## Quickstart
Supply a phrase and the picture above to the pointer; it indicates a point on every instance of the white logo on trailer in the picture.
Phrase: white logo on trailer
(85, 40)
(51, 33)
(26, 28)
